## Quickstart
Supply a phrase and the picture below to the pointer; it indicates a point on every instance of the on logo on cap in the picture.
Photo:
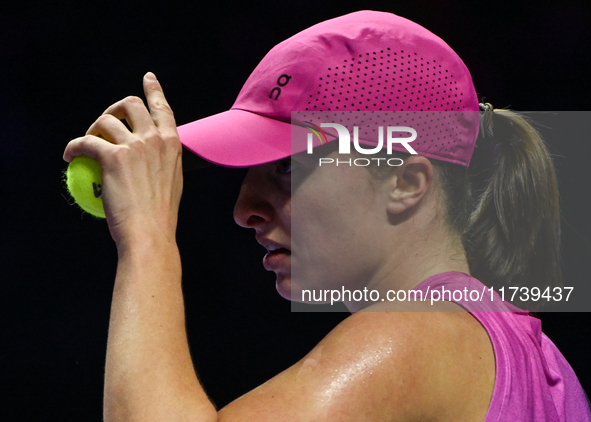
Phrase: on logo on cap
(281, 81)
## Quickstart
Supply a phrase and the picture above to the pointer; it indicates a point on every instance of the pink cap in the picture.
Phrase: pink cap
(363, 61)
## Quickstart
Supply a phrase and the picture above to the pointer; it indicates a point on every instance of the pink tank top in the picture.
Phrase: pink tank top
(534, 382)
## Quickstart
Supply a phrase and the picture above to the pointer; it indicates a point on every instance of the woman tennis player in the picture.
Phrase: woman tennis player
(408, 224)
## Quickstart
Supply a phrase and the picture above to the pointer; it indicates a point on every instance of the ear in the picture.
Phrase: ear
(409, 183)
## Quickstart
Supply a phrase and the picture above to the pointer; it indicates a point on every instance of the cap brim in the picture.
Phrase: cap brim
(237, 138)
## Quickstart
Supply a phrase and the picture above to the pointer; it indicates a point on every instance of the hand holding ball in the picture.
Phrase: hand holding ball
(84, 181)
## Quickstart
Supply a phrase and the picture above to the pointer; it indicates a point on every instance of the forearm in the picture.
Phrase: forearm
(149, 372)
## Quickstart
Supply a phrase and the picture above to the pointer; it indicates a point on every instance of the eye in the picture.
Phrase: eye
(284, 166)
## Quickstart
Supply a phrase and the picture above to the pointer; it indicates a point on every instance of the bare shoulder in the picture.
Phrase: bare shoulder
(440, 364)
(383, 366)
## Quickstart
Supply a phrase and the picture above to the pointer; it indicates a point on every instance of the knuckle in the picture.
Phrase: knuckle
(119, 157)
(161, 105)
(102, 120)
(152, 133)
(82, 143)
(137, 145)
(85, 140)
(99, 124)
(132, 100)
(157, 143)
(154, 138)
(177, 147)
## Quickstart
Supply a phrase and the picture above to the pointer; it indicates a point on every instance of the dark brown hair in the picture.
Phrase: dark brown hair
(511, 230)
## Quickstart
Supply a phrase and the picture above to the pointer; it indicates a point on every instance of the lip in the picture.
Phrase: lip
(278, 255)
(272, 245)
(278, 260)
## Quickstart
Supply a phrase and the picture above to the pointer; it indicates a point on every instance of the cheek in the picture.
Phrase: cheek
(328, 248)
(334, 207)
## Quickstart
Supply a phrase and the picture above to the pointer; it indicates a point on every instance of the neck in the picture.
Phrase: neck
(416, 256)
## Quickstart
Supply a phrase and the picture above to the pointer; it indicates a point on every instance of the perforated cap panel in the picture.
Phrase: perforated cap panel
(387, 80)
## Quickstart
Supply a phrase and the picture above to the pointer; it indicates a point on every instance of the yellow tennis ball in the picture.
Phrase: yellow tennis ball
(84, 181)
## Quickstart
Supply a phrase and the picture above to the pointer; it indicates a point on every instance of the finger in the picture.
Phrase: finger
(135, 113)
(89, 145)
(159, 109)
(112, 129)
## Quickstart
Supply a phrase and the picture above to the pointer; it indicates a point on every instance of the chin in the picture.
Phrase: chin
(283, 285)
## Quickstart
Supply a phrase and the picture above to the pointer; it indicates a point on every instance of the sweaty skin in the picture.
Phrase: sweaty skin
(374, 366)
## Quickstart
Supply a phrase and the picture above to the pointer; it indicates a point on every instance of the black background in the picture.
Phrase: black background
(63, 63)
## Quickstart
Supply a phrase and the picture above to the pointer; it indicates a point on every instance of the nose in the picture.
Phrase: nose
(253, 207)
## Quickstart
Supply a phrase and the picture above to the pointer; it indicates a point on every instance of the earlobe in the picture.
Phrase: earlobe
(409, 184)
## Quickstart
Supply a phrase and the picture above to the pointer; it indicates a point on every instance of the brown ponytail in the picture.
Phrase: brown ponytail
(513, 233)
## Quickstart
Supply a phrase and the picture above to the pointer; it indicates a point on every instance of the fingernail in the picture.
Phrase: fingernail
(150, 76)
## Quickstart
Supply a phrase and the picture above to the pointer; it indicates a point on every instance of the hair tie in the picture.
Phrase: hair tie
(486, 107)
(486, 119)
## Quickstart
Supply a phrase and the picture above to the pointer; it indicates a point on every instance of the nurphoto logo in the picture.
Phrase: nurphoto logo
(345, 143)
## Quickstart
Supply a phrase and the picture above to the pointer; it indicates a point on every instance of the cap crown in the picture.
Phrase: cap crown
(368, 61)
(362, 61)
